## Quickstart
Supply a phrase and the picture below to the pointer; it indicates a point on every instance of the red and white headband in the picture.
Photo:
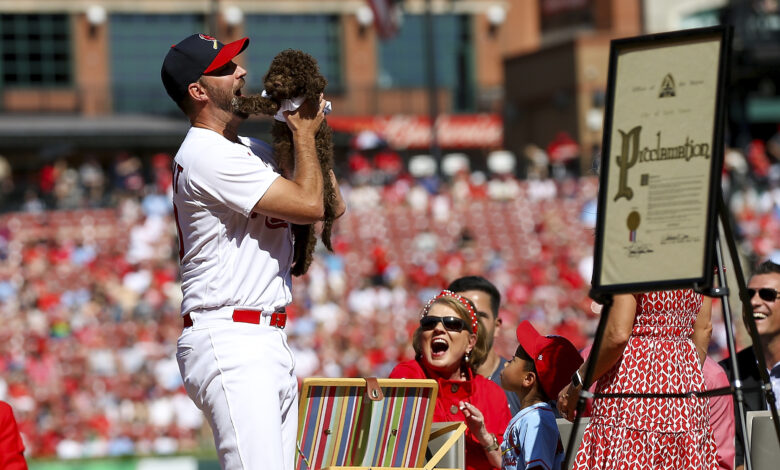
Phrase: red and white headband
(459, 298)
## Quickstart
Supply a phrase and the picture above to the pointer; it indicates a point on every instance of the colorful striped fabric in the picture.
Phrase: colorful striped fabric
(340, 426)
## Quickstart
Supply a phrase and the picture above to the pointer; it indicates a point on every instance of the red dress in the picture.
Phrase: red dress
(661, 433)
(488, 397)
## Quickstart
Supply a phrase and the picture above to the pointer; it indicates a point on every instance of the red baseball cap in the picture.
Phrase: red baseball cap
(555, 358)
(194, 56)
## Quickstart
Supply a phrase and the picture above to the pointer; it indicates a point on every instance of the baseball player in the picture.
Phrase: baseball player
(232, 211)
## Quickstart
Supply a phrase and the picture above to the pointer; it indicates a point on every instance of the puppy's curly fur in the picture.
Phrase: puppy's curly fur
(294, 73)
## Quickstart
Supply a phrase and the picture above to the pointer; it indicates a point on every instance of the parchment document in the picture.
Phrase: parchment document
(660, 161)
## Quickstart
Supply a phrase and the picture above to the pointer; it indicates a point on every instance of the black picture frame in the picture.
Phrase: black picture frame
(657, 277)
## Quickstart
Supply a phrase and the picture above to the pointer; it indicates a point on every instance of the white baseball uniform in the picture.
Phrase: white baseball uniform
(239, 374)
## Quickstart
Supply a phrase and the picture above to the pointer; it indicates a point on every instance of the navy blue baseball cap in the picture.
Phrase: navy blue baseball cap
(194, 56)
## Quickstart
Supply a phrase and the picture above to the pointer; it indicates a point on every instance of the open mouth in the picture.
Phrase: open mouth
(438, 347)
(759, 316)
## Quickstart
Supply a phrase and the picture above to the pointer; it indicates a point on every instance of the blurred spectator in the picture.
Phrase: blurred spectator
(68, 193)
(758, 159)
(127, 172)
(538, 162)
(564, 153)
(388, 165)
(48, 177)
(93, 179)
(359, 168)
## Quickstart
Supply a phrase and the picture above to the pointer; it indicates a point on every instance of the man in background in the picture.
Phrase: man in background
(763, 289)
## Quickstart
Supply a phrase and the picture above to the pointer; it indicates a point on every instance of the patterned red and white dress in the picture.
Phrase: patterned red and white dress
(661, 433)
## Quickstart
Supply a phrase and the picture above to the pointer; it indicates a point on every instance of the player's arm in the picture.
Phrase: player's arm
(340, 206)
(702, 329)
(299, 199)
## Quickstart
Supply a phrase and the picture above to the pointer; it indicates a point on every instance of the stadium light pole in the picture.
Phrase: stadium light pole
(433, 95)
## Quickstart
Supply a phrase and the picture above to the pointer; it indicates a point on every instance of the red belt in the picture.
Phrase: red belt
(278, 318)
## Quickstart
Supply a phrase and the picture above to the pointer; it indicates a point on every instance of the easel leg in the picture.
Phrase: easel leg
(727, 320)
(606, 301)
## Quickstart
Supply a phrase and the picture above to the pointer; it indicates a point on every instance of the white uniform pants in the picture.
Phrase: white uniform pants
(241, 376)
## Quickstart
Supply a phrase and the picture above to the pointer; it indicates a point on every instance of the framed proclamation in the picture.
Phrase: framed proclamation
(662, 154)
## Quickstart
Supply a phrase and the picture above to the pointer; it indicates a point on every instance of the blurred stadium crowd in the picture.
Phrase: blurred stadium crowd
(89, 297)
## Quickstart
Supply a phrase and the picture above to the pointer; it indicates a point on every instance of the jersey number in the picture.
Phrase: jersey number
(274, 223)
(271, 222)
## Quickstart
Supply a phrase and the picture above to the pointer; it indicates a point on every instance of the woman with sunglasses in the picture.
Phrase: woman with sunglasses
(449, 346)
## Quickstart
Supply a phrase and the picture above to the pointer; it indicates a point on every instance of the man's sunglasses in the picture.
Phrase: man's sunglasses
(766, 293)
(455, 324)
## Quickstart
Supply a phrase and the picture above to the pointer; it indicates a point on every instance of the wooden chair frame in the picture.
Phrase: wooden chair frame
(342, 425)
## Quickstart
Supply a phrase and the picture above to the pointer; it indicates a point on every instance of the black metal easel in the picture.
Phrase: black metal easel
(736, 389)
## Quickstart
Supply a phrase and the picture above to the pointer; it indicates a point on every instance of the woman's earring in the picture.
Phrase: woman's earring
(467, 357)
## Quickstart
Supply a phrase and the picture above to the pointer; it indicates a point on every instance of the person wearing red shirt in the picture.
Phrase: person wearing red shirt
(449, 346)
(11, 446)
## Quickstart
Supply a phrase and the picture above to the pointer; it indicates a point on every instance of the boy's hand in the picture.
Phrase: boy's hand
(475, 422)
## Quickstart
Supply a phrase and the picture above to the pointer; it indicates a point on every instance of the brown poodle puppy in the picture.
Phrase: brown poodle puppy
(294, 74)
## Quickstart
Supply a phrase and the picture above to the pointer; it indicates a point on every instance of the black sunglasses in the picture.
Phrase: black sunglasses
(455, 324)
(766, 293)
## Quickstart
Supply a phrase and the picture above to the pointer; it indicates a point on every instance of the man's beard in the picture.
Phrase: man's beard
(223, 99)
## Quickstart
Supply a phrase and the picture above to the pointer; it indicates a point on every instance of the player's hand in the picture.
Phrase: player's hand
(306, 120)
(567, 401)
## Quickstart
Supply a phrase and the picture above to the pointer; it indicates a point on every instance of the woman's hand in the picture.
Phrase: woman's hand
(567, 401)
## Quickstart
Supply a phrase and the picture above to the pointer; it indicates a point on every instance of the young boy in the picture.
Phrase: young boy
(541, 367)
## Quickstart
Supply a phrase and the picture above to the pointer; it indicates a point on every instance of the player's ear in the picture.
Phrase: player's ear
(197, 91)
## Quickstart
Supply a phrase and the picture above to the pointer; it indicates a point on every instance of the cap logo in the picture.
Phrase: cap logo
(539, 358)
(208, 38)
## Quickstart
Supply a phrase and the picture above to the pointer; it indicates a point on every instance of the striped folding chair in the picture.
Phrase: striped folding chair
(366, 423)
